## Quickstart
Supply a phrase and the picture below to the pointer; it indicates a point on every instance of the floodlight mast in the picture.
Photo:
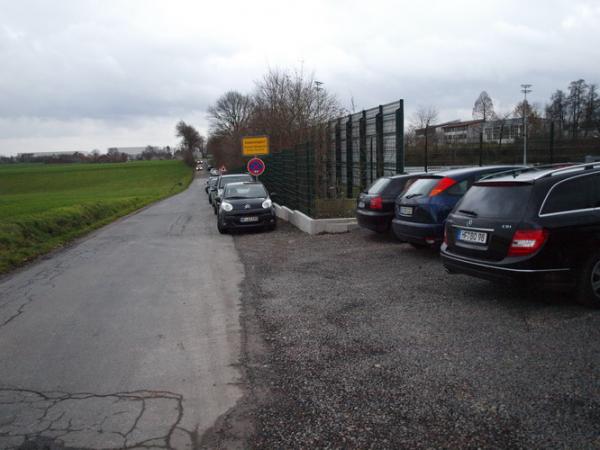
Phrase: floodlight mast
(525, 89)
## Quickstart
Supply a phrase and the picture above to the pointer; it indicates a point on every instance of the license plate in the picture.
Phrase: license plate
(406, 211)
(249, 219)
(476, 237)
(361, 204)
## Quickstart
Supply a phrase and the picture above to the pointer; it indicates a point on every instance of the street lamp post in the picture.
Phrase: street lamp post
(525, 89)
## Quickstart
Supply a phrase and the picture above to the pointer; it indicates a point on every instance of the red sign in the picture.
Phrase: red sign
(256, 166)
(223, 168)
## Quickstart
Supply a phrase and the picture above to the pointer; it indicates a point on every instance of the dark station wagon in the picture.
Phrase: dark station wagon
(534, 225)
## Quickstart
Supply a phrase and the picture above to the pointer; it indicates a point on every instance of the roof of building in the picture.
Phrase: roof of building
(462, 124)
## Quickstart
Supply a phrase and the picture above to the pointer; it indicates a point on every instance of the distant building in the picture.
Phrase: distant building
(509, 128)
(462, 132)
(49, 154)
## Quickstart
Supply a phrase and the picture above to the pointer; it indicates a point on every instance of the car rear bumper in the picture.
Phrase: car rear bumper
(419, 233)
(502, 272)
(374, 221)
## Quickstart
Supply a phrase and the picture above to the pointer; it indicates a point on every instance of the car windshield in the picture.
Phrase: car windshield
(225, 181)
(245, 191)
(421, 187)
(496, 201)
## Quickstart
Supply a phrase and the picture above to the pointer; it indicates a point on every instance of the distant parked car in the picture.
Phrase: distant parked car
(375, 206)
(533, 226)
(422, 209)
(223, 181)
(245, 205)
(211, 186)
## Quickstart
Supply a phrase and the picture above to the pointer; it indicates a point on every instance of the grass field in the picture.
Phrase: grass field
(44, 206)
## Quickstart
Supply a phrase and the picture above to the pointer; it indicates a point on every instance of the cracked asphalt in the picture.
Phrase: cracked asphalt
(130, 338)
(357, 341)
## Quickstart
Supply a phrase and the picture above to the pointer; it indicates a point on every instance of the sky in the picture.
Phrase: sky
(78, 75)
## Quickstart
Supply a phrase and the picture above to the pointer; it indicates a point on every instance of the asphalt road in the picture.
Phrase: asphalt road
(128, 338)
(357, 341)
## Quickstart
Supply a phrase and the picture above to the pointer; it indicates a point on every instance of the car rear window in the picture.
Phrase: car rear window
(496, 200)
(421, 186)
(378, 186)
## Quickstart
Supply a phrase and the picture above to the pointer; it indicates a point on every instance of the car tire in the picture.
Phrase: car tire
(588, 286)
(215, 209)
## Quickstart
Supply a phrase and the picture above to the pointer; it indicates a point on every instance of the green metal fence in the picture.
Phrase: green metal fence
(290, 175)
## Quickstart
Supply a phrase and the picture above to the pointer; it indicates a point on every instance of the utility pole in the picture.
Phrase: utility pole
(525, 89)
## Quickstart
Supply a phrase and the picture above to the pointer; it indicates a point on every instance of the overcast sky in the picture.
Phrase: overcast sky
(85, 74)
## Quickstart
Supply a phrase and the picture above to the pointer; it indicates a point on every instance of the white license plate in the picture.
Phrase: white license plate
(406, 211)
(476, 237)
(361, 204)
(248, 219)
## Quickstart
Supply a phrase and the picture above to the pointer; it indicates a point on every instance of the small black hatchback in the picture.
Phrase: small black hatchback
(245, 205)
(375, 206)
(533, 225)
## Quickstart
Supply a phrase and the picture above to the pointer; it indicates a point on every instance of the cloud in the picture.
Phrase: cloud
(120, 65)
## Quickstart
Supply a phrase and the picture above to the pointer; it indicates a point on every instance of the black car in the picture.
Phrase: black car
(538, 225)
(422, 208)
(375, 206)
(223, 181)
(245, 205)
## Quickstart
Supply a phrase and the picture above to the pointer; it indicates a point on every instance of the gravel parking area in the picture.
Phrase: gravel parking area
(357, 341)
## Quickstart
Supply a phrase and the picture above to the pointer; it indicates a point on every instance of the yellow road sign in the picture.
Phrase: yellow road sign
(255, 145)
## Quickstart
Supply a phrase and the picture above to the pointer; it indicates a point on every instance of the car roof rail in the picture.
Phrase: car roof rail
(525, 169)
(574, 167)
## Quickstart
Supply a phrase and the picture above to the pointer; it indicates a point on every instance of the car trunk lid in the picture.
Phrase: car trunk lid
(484, 222)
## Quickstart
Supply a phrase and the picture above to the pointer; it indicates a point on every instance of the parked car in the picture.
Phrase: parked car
(245, 205)
(535, 226)
(223, 181)
(375, 206)
(422, 209)
(211, 186)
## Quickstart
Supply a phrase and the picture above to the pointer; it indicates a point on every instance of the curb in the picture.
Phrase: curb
(314, 226)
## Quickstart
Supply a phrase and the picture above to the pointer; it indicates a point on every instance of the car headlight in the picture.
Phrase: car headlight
(267, 203)
(226, 206)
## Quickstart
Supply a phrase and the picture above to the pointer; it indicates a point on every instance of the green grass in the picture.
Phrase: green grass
(44, 206)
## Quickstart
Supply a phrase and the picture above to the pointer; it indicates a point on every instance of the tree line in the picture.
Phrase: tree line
(288, 106)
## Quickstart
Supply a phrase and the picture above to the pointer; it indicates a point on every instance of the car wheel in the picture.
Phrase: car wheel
(215, 209)
(589, 282)
(209, 199)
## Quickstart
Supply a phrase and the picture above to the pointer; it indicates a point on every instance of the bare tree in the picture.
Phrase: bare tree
(230, 114)
(191, 141)
(576, 99)
(289, 105)
(422, 119)
(503, 118)
(557, 110)
(484, 107)
(591, 109)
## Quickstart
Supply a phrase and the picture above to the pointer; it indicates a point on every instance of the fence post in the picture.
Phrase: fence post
(481, 147)
(338, 155)
(362, 130)
(400, 137)
(379, 141)
(310, 179)
(328, 171)
(349, 160)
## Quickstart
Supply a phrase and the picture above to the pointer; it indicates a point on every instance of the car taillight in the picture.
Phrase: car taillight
(526, 242)
(441, 186)
(376, 203)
